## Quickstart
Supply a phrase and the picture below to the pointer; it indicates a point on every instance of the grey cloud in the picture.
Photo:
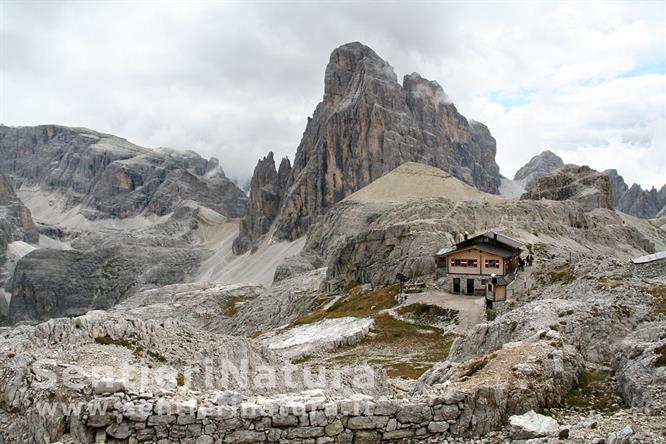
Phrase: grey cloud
(235, 80)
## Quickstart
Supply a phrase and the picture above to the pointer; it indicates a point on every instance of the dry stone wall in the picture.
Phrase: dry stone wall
(227, 418)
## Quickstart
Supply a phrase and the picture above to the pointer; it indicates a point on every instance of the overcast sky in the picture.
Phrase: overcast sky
(235, 80)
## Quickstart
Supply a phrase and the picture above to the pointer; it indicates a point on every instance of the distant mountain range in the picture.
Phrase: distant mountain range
(633, 200)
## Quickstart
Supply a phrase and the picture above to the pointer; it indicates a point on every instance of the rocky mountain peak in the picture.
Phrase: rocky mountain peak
(349, 66)
(266, 189)
(538, 166)
(366, 125)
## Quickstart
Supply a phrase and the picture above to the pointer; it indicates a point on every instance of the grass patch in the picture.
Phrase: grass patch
(595, 391)
(156, 356)
(406, 370)
(136, 349)
(180, 379)
(659, 294)
(355, 304)
(429, 314)
(563, 274)
(609, 282)
(230, 305)
(108, 340)
(475, 366)
(423, 345)
(403, 349)
(661, 356)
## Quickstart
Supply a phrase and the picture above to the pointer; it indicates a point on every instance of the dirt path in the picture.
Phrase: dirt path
(470, 308)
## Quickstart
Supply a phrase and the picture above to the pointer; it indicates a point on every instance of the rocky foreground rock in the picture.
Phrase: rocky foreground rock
(366, 125)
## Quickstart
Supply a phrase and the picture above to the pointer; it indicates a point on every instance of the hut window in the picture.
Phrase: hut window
(464, 262)
(492, 263)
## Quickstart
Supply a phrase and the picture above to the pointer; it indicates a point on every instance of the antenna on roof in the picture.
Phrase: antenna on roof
(466, 235)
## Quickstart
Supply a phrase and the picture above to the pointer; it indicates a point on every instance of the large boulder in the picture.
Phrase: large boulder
(532, 425)
(292, 266)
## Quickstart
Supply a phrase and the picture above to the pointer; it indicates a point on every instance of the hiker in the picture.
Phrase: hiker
(530, 260)
(521, 263)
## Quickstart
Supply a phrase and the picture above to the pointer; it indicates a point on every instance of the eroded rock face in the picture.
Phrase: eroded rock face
(102, 269)
(618, 186)
(640, 362)
(589, 188)
(538, 166)
(16, 224)
(53, 283)
(366, 125)
(113, 177)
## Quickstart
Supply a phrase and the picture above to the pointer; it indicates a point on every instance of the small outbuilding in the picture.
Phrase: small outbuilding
(471, 263)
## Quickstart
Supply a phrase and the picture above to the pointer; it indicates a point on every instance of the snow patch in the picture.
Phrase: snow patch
(325, 335)
(17, 249)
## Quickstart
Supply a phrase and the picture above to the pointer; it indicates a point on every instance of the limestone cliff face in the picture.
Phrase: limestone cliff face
(16, 221)
(635, 200)
(16, 224)
(589, 188)
(368, 124)
(266, 190)
(111, 177)
(538, 166)
(618, 185)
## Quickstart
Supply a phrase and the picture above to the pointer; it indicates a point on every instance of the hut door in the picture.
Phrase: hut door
(470, 286)
(456, 285)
